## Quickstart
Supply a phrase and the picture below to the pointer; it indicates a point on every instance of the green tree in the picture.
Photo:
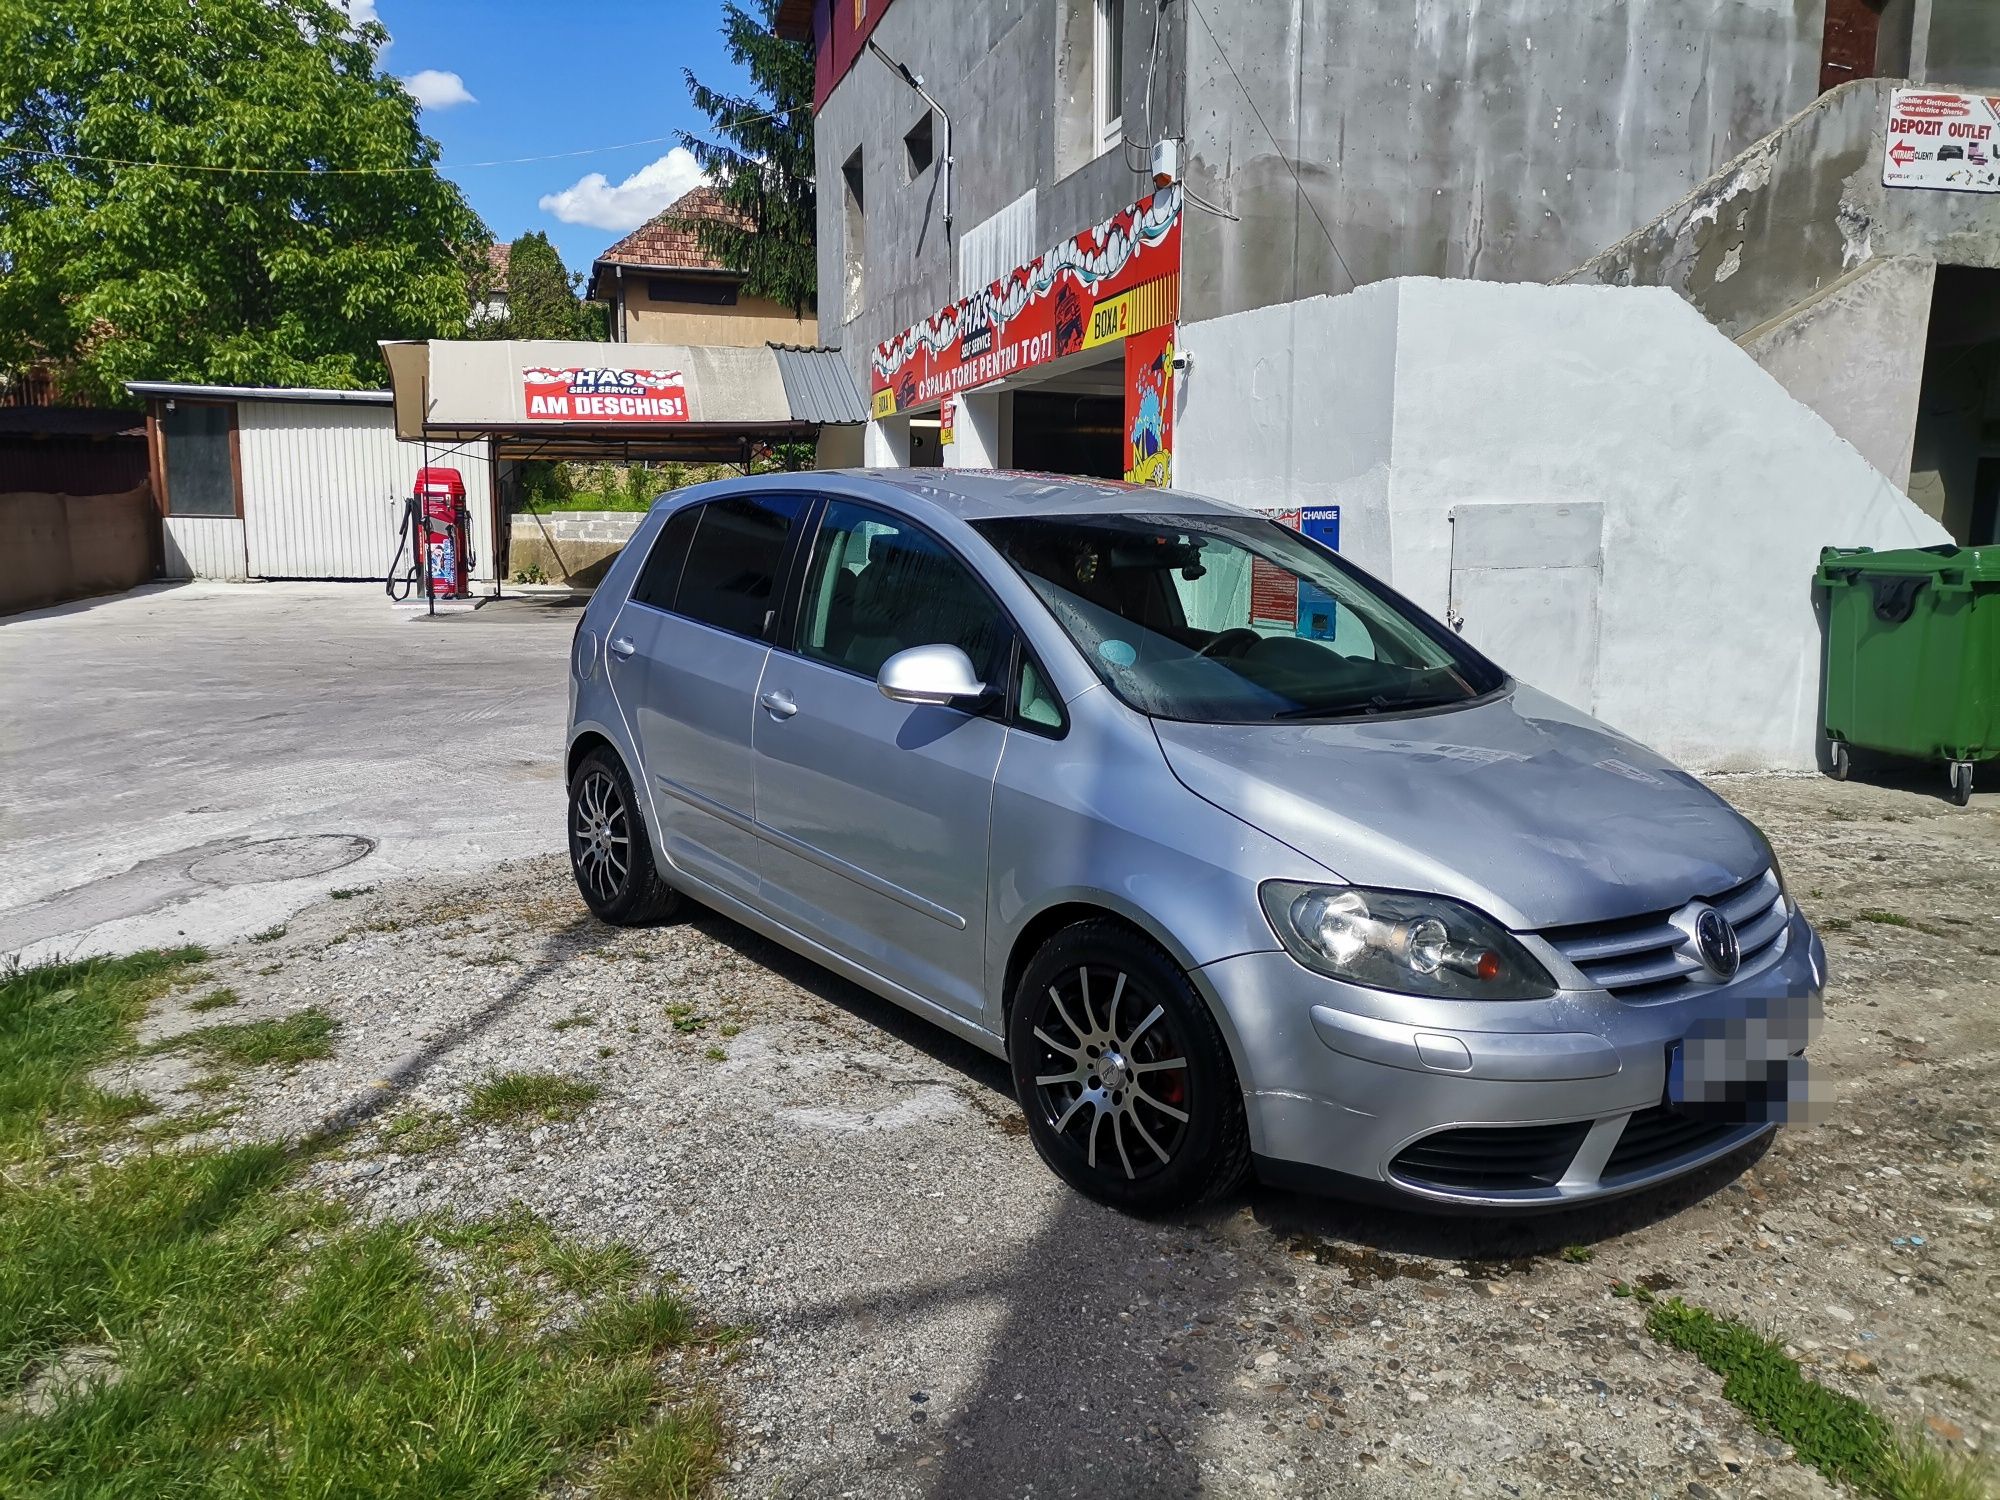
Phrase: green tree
(763, 164)
(542, 294)
(154, 220)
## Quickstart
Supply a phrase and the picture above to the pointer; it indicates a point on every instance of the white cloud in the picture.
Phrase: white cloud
(359, 12)
(594, 200)
(434, 88)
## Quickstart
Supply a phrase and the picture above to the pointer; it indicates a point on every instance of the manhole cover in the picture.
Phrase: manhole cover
(281, 859)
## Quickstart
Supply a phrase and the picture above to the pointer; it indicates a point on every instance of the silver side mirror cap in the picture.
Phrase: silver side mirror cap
(931, 674)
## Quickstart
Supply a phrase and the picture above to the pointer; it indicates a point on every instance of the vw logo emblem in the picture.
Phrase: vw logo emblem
(1715, 940)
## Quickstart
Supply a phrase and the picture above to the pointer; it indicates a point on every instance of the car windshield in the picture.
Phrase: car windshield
(1234, 620)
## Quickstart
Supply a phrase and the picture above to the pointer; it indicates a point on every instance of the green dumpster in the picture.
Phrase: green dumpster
(1913, 655)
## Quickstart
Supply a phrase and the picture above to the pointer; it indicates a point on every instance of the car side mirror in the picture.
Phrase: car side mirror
(936, 675)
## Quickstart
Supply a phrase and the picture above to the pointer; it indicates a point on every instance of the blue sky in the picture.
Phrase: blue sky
(538, 78)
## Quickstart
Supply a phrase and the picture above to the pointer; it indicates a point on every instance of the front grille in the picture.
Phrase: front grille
(1492, 1158)
(1647, 958)
(1653, 1137)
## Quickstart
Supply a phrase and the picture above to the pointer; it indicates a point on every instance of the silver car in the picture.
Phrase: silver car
(1235, 855)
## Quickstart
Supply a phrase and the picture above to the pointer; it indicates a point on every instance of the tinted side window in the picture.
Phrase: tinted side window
(730, 580)
(661, 577)
(878, 585)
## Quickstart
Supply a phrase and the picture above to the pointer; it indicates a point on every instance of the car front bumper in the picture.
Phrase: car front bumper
(1508, 1105)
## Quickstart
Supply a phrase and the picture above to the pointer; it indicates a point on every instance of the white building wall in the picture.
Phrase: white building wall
(1409, 401)
(203, 547)
(323, 488)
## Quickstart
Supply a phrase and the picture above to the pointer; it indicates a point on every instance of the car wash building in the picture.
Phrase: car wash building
(1300, 257)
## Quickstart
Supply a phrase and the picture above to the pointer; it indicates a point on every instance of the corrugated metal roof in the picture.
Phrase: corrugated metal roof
(171, 389)
(819, 387)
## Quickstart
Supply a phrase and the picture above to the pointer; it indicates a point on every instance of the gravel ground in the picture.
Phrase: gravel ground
(936, 1316)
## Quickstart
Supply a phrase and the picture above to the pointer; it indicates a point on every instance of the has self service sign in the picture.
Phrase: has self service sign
(549, 395)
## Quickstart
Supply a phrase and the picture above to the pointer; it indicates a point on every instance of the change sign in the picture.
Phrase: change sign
(1942, 139)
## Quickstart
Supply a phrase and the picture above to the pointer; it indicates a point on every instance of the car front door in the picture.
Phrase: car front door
(876, 813)
(699, 629)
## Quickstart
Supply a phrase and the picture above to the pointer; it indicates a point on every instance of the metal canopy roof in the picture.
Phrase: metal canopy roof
(729, 399)
(169, 390)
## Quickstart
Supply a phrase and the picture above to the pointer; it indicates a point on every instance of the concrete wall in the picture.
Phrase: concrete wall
(751, 323)
(573, 547)
(1963, 43)
(1504, 141)
(1794, 214)
(59, 547)
(1713, 490)
(998, 70)
(1855, 354)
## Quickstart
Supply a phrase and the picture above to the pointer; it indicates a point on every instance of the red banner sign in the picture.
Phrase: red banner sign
(1113, 282)
(604, 396)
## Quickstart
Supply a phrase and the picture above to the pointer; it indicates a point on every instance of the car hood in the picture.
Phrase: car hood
(1522, 806)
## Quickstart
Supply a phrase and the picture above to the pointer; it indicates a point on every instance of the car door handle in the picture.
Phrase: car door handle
(622, 646)
(779, 703)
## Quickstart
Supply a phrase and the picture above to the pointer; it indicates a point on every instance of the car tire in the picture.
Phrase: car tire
(610, 852)
(1099, 1016)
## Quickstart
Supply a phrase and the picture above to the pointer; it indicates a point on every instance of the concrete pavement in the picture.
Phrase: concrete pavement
(193, 763)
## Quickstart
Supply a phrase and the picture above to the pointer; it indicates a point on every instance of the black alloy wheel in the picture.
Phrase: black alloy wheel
(1123, 1073)
(609, 851)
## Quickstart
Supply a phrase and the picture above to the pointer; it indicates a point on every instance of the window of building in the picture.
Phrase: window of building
(702, 291)
(1108, 64)
(918, 148)
(201, 469)
(854, 235)
(730, 580)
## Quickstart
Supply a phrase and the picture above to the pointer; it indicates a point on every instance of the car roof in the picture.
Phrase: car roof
(988, 494)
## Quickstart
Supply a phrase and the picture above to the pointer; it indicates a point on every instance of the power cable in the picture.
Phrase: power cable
(1249, 99)
(512, 161)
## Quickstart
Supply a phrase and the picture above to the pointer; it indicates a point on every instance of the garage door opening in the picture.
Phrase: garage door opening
(1073, 423)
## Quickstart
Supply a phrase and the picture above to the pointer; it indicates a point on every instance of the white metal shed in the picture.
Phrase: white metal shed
(276, 482)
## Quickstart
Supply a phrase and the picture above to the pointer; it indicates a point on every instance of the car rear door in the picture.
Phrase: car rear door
(876, 813)
(699, 637)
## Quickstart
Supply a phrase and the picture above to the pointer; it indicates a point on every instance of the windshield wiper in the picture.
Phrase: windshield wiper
(1378, 704)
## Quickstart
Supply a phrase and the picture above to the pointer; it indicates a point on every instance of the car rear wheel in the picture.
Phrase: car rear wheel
(1123, 1073)
(609, 851)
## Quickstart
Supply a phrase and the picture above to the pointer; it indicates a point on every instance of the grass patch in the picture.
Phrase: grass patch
(1885, 918)
(684, 1017)
(350, 893)
(214, 1000)
(188, 1323)
(1835, 924)
(508, 1098)
(268, 935)
(303, 1036)
(418, 1130)
(1579, 1255)
(567, 1022)
(1843, 1438)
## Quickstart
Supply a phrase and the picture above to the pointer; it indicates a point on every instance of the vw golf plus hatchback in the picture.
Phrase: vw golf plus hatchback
(1053, 764)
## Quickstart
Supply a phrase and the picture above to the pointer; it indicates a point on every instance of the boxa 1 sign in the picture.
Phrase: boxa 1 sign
(604, 396)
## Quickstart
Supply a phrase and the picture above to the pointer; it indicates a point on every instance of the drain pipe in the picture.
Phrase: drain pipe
(916, 83)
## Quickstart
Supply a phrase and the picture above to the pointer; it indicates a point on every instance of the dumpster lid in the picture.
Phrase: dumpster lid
(1966, 564)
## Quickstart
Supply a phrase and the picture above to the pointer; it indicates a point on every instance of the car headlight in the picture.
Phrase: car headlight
(1393, 940)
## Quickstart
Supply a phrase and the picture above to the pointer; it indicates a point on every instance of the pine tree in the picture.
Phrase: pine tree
(763, 165)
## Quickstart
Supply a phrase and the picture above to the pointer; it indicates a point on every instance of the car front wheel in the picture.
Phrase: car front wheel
(1123, 1073)
(609, 852)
